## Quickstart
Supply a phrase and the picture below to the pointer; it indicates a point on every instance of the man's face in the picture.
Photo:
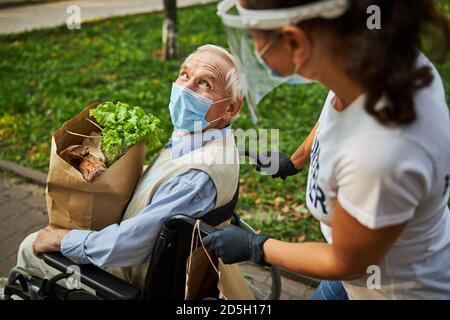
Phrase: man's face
(205, 73)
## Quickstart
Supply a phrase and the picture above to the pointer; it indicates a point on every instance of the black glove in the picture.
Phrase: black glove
(285, 166)
(234, 244)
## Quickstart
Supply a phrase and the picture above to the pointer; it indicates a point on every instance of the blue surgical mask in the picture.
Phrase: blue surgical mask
(293, 79)
(187, 107)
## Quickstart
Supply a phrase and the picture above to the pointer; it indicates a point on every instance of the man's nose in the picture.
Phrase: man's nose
(190, 84)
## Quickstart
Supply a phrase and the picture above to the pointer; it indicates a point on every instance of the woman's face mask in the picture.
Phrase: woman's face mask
(294, 78)
(188, 108)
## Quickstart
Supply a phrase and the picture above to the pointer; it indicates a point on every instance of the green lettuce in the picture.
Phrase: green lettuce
(124, 126)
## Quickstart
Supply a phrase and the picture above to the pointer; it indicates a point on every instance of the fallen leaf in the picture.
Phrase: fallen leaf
(278, 201)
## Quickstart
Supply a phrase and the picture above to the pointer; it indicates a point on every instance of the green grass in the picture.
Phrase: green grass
(47, 77)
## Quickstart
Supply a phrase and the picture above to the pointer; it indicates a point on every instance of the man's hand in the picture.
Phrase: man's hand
(48, 239)
(234, 244)
(276, 164)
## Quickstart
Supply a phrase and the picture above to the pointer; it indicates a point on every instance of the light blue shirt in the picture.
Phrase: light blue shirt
(131, 242)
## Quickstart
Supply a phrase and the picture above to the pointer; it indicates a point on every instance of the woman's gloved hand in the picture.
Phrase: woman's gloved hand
(276, 164)
(234, 244)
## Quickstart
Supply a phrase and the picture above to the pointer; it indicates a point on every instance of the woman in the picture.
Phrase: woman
(379, 155)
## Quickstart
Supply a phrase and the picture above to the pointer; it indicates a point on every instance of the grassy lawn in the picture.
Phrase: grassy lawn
(47, 77)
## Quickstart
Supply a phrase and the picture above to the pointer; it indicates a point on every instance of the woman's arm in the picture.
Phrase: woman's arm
(354, 248)
(300, 158)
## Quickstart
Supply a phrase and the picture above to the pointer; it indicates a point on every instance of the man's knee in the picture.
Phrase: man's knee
(26, 260)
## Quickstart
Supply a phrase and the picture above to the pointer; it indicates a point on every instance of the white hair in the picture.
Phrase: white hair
(233, 78)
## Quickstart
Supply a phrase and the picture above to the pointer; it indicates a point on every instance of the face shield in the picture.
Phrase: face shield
(255, 74)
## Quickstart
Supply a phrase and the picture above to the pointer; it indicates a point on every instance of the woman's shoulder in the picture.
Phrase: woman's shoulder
(377, 150)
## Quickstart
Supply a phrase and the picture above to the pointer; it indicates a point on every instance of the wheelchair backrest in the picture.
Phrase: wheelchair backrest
(166, 276)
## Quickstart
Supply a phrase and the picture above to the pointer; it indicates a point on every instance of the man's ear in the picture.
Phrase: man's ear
(233, 109)
(298, 41)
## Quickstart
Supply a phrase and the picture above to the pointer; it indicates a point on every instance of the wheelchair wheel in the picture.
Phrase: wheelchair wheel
(265, 282)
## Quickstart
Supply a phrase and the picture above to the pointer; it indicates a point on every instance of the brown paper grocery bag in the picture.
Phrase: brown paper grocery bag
(72, 202)
(208, 276)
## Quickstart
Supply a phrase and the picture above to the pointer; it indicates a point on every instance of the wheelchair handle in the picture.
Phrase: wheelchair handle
(205, 229)
(178, 219)
(261, 159)
(249, 154)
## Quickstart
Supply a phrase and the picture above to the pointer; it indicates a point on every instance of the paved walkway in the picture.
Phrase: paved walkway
(23, 210)
(44, 15)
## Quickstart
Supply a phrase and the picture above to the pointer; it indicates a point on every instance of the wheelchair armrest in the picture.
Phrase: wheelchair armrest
(104, 283)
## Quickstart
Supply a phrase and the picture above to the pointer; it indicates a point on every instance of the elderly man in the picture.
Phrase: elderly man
(190, 175)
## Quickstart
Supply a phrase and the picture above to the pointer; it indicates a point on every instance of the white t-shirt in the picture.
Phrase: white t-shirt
(387, 176)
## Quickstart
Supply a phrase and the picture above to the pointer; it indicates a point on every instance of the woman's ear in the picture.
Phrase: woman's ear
(298, 41)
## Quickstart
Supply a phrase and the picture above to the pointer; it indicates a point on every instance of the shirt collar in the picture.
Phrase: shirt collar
(183, 143)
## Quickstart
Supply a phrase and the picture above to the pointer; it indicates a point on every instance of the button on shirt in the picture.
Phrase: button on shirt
(131, 242)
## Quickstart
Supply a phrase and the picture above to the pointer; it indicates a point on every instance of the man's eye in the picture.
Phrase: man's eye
(184, 76)
(205, 84)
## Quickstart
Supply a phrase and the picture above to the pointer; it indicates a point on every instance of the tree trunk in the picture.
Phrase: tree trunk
(170, 45)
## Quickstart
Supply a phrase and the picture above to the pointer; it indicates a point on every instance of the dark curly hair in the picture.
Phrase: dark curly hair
(383, 61)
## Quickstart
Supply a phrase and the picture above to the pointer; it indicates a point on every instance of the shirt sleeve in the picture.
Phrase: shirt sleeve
(130, 243)
(381, 183)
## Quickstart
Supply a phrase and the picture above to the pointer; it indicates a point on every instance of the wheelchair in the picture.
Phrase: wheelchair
(165, 278)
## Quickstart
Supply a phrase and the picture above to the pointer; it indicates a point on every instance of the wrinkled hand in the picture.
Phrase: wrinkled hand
(276, 164)
(48, 239)
(234, 244)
